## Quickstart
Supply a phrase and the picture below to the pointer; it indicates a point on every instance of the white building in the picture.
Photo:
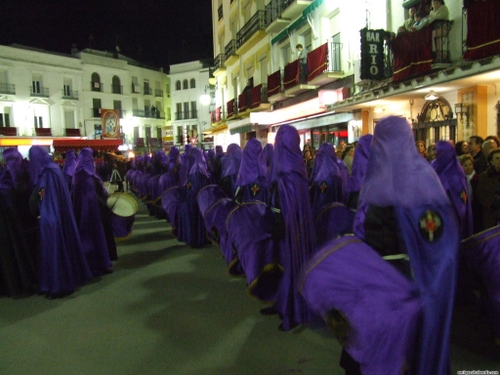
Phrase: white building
(44, 90)
(191, 115)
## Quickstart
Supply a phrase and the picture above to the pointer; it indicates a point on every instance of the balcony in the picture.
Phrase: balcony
(230, 52)
(69, 94)
(275, 87)
(220, 14)
(6, 88)
(42, 92)
(117, 89)
(325, 64)
(158, 93)
(291, 83)
(258, 98)
(219, 66)
(96, 86)
(231, 109)
(252, 32)
(148, 91)
(136, 89)
(274, 21)
(294, 8)
(96, 112)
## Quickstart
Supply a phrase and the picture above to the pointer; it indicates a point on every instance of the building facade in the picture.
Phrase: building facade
(360, 69)
(49, 94)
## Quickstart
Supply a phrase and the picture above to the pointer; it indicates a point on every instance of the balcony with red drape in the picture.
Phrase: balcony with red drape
(218, 112)
(483, 29)
(256, 96)
(412, 53)
(274, 83)
(317, 61)
(230, 108)
(242, 102)
(291, 77)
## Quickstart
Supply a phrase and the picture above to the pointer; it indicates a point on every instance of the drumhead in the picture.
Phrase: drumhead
(122, 204)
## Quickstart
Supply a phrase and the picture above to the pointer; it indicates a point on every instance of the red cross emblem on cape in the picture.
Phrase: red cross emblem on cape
(41, 193)
(255, 189)
(323, 187)
(431, 226)
(463, 196)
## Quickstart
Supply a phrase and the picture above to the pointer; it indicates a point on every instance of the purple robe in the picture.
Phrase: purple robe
(63, 266)
(398, 177)
(380, 305)
(230, 168)
(69, 165)
(215, 207)
(251, 179)
(289, 177)
(358, 169)
(482, 254)
(250, 231)
(325, 180)
(332, 221)
(191, 228)
(88, 213)
(452, 177)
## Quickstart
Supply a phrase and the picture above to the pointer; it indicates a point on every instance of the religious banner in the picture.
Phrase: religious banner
(110, 119)
(372, 54)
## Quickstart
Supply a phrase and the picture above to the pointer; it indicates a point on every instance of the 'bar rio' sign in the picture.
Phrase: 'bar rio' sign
(372, 54)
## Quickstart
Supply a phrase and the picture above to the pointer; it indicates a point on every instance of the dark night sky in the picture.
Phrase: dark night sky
(156, 32)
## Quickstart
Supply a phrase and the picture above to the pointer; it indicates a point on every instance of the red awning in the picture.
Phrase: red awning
(94, 144)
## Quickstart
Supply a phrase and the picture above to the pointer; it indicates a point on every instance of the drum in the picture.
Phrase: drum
(123, 208)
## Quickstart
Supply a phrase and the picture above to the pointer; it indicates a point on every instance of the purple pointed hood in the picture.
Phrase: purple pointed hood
(199, 164)
(14, 163)
(219, 151)
(325, 164)
(397, 175)
(252, 166)
(39, 160)
(69, 163)
(360, 162)
(231, 160)
(85, 162)
(287, 155)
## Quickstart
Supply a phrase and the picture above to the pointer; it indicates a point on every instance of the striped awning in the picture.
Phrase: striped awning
(241, 129)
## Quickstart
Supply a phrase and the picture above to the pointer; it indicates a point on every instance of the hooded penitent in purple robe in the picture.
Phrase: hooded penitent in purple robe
(250, 232)
(251, 179)
(482, 255)
(171, 176)
(325, 180)
(185, 164)
(452, 177)
(18, 242)
(291, 189)
(191, 226)
(215, 207)
(230, 168)
(88, 213)
(381, 306)
(68, 168)
(358, 170)
(217, 165)
(63, 265)
(402, 184)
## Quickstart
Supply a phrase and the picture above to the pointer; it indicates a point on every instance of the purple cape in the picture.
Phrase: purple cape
(397, 176)
(289, 175)
(14, 163)
(63, 266)
(332, 221)
(380, 305)
(88, 214)
(249, 226)
(452, 177)
(326, 181)
(251, 166)
(359, 163)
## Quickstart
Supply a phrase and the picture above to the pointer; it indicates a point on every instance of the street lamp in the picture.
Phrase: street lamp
(205, 99)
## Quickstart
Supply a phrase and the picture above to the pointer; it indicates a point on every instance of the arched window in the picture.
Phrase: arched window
(177, 85)
(96, 82)
(192, 83)
(116, 87)
(185, 84)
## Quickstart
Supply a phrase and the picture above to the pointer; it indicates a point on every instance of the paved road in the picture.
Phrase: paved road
(170, 309)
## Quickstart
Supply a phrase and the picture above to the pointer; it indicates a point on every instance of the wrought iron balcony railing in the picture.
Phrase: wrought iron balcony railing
(257, 22)
(6, 88)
